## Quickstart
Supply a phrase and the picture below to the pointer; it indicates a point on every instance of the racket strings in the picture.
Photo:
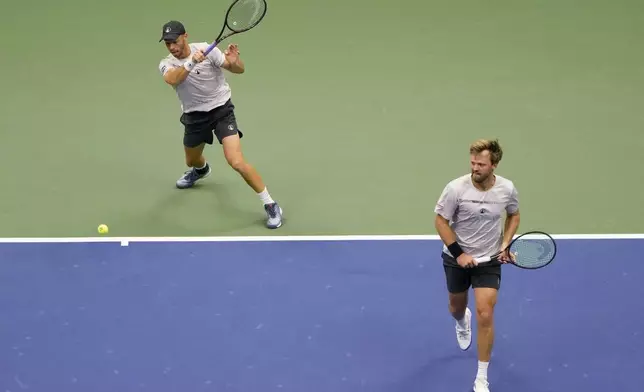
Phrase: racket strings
(533, 252)
(245, 14)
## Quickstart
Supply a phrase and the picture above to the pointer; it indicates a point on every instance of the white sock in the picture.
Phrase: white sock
(482, 373)
(265, 197)
(461, 323)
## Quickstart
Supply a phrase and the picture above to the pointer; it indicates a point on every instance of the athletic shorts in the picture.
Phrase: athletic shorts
(202, 127)
(460, 279)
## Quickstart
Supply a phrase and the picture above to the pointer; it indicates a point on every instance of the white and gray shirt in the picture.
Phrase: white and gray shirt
(206, 87)
(476, 216)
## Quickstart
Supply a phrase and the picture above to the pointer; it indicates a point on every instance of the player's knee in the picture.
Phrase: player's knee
(237, 163)
(485, 315)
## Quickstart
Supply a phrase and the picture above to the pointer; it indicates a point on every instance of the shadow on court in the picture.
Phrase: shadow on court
(209, 207)
(307, 316)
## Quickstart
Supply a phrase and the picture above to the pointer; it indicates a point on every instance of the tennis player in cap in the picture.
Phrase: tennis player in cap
(208, 111)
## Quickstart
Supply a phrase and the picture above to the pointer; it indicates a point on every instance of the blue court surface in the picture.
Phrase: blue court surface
(308, 315)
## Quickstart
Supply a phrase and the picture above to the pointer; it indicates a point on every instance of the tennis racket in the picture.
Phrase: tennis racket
(531, 250)
(242, 15)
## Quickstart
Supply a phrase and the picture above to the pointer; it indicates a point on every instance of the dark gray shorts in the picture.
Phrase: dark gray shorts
(202, 127)
(460, 279)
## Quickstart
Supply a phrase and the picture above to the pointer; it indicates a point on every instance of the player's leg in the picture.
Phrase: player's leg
(194, 156)
(458, 284)
(235, 158)
(198, 133)
(230, 136)
(486, 282)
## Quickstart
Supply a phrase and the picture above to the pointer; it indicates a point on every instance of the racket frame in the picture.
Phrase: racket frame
(232, 32)
(495, 257)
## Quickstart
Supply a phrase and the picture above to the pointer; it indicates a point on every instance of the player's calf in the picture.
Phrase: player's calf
(194, 155)
(236, 161)
(485, 303)
(458, 284)
(235, 158)
(485, 324)
(196, 162)
(486, 298)
(458, 304)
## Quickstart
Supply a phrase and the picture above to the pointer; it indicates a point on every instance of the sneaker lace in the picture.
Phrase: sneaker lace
(461, 332)
(481, 383)
(271, 210)
(191, 175)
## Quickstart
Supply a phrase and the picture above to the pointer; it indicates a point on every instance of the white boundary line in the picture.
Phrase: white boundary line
(286, 238)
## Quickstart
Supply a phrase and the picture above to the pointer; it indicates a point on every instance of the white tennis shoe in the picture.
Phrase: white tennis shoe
(464, 335)
(481, 385)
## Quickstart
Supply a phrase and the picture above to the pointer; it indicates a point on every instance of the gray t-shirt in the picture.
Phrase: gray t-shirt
(477, 216)
(206, 87)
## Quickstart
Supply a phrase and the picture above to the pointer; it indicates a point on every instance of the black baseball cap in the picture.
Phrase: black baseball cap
(172, 30)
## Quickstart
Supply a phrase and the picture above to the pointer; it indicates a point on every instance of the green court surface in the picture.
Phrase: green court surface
(356, 113)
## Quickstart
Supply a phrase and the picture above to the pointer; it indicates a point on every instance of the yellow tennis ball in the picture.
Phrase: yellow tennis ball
(102, 229)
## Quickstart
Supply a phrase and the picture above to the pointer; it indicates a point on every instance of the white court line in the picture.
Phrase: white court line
(287, 238)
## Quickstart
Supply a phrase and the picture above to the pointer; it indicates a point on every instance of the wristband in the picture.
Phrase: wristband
(455, 249)
(189, 65)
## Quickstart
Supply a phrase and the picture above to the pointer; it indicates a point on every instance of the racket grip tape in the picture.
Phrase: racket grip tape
(210, 48)
(480, 260)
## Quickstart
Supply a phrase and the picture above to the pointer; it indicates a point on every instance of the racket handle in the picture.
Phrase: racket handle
(210, 48)
(480, 260)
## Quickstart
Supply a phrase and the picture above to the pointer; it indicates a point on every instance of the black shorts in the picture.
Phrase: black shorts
(460, 279)
(201, 127)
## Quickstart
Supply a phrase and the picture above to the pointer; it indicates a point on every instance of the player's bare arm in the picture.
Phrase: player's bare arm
(176, 76)
(512, 222)
(232, 62)
(444, 231)
(448, 236)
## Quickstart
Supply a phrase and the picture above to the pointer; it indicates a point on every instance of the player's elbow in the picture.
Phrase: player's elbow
(236, 69)
(241, 68)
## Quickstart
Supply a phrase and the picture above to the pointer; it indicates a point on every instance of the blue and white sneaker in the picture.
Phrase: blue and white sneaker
(274, 212)
(190, 177)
